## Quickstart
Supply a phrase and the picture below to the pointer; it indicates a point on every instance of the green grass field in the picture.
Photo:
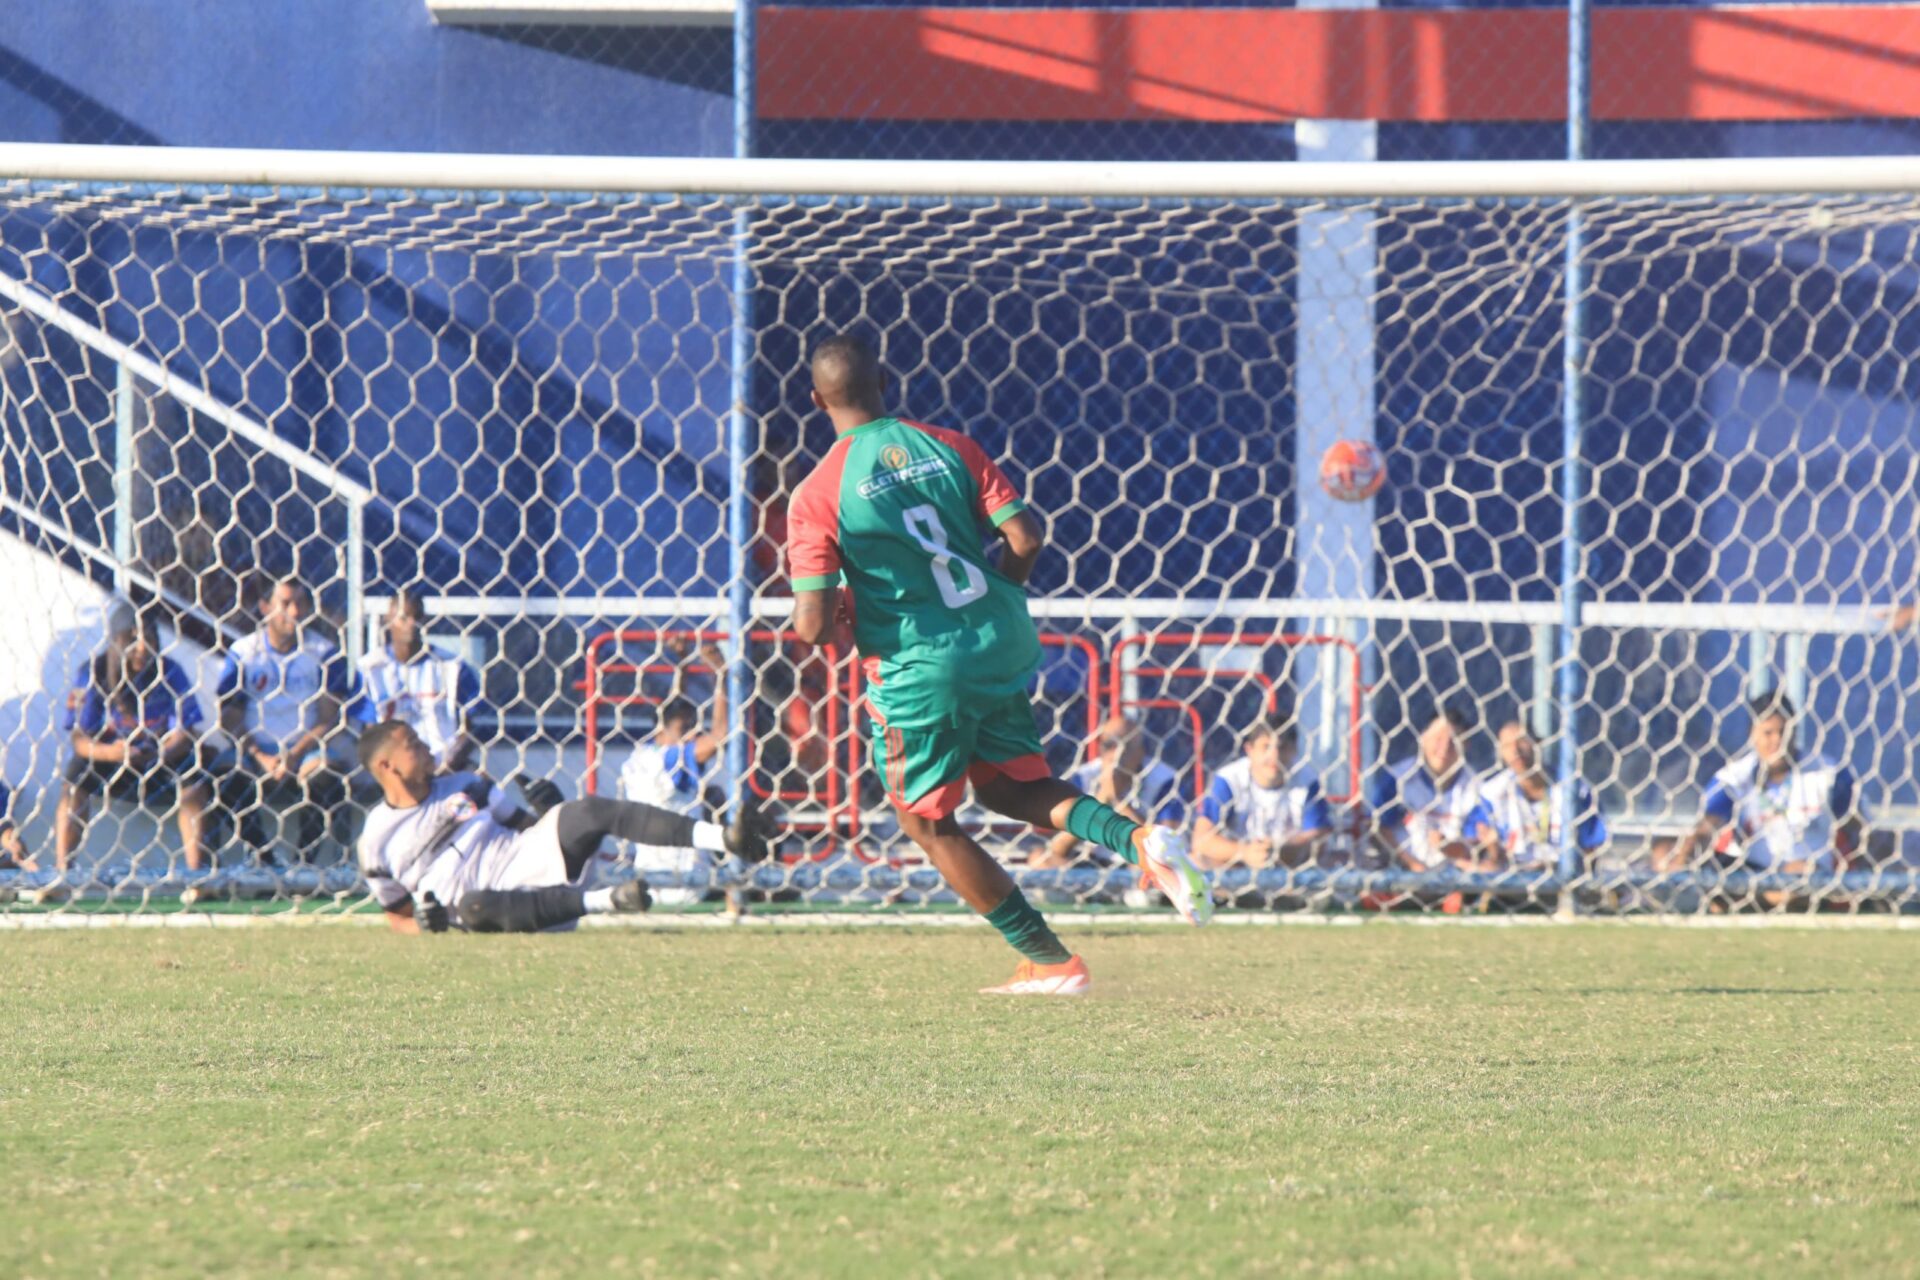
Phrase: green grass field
(1389, 1099)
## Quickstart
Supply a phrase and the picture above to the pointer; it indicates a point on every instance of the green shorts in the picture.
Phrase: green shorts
(926, 770)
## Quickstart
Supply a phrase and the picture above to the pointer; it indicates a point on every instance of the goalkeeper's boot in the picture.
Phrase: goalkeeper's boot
(1068, 979)
(1164, 865)
(631, 896)
(750, 834)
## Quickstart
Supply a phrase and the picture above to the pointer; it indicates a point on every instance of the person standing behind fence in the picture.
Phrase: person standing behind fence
(421, 684)
(671, 770)
(282, 693)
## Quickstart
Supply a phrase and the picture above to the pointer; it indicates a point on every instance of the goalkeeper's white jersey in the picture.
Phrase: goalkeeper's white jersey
(450, 843)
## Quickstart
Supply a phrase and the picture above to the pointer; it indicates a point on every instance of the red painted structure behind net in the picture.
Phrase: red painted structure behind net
(838, 791)
(1271, 65)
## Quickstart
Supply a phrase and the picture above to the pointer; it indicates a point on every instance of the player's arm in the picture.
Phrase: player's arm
(1303, 845)
(11, 845)
(462, 753)
(1716, 811)
(814, 614)
(231, 690)
(813, 561)
(400, 917)
(709, 744)
(329, 715)
(1024, 542)
(1843, 803)
(1387, 833)
(1215, 847)
(175, 744)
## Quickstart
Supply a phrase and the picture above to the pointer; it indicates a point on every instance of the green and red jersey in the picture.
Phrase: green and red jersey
(894, 513)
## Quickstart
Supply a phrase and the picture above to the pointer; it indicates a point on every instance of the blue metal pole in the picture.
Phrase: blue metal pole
(1572, 470)
(740, 424)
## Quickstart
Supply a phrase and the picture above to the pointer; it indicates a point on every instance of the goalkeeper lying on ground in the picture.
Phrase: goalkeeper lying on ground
(456, 850)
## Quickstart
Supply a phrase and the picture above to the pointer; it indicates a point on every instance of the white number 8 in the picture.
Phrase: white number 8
(960, 581)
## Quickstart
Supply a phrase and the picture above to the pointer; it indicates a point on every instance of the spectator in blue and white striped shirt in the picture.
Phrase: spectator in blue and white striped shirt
(420, 684)
(1428, 810)
(1265, 808)
(1520, 802)
(1772, 809)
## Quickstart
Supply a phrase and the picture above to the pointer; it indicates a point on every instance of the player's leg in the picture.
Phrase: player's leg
(71, 814)
(194, 794)
(1010, 776)
(584, 823)
(536, 910)
(925, 774)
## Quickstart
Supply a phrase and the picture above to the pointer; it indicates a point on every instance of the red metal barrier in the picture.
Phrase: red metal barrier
(1199, 737)
(1148, 640)
(597, 669)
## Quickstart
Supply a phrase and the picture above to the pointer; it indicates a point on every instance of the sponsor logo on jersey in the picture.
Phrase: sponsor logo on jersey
(905, 471)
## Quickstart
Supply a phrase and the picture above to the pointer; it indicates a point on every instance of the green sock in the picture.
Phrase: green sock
(1026, 930)
(1091, 820)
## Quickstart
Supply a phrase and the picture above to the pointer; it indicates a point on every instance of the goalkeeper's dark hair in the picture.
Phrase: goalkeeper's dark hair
(678, 711)
(376, 740)
(1773, 702)
(846, 371)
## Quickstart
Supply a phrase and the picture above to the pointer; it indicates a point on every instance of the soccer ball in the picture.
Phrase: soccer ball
(1352, 470)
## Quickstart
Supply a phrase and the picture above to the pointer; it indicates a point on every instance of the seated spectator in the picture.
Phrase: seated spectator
(13, 850)
(1427, 809)
(1266, 808)
(134, 724)
(421, 685)
(1122, 776)
(1769, 810)
(282, 692)
(1520, 805)
(673, 770)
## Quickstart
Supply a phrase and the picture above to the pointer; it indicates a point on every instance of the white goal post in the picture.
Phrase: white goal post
(564, 398)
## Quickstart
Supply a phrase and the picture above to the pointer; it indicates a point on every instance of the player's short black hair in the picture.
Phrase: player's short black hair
(412, 600)
(304, 591)
(846, 371)
(377, 739)
(1773, 702)
(1452, 712)
(678, 711)
(1273, 725)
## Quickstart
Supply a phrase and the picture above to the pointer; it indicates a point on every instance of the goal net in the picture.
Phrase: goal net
(565, 404)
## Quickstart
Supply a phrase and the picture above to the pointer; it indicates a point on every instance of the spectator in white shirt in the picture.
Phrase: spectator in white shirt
(418, 682)
(1264, 809)
(282, 693)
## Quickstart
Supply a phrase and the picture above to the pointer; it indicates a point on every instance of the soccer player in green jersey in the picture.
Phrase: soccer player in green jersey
(887, 530)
